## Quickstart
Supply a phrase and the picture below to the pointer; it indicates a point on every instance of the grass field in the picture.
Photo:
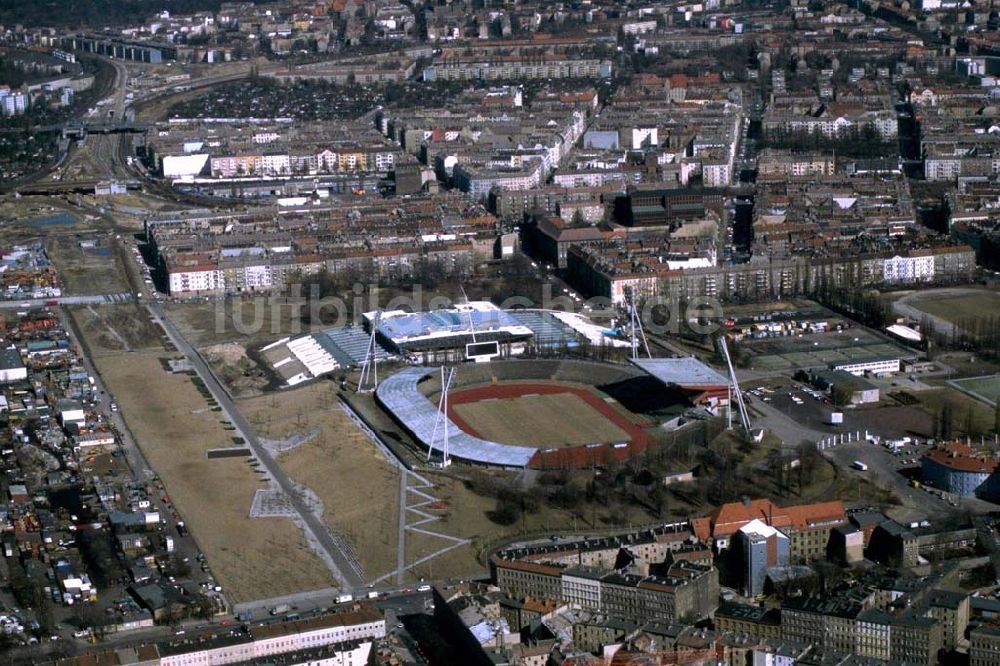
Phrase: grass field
(553, 420)
(986, 388)
(358, 488)
(956, 308)
(966, 411)
(252, 558)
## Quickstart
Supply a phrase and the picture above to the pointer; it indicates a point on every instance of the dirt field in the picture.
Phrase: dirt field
(252, 558)
(358, 488)
(231, 364)
(244, 320)
(540, 420)
(94, 270)
(122, 327)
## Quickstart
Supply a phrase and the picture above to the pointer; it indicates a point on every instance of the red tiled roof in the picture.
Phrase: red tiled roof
(538, 605)
(805, 516)
(729, 518)
(962, 458)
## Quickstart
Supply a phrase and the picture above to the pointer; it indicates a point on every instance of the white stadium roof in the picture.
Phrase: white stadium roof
(399, 394)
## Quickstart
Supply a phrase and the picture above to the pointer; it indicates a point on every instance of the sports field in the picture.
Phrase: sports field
(541, 415)
(957, 306)
(558, 419)
(985, 388)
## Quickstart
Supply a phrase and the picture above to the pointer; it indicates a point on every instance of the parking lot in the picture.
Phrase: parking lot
(803, 404)
(895, 471)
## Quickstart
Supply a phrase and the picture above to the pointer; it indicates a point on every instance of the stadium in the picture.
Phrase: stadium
(439, 336)
(549, 414)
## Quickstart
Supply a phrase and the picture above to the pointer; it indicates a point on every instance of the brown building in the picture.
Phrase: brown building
(807, 526)
(916, 638)
(754, 621)
(520, 579)
(951, 610)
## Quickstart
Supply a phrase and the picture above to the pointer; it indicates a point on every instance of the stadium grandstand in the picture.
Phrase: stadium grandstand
(400, 396)
(703, 385)
(550, 333)
(439, 334)
(299, 359)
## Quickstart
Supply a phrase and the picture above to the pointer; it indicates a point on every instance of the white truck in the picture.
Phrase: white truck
(860, 466)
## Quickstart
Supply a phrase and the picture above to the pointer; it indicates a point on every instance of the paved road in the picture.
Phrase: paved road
(339, 564)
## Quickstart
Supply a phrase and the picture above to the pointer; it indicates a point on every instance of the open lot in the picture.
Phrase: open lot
(175, 426)
(122, 327)
(247, 320)
(887, 419)
(358, 488)
(888, 476)
(984, 388)
(552, 420)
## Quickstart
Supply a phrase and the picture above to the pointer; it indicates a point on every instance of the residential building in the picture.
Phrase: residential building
(984, 645)
(807, 526)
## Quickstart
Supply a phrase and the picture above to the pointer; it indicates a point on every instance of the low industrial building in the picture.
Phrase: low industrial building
(845, 388)
(12, 368)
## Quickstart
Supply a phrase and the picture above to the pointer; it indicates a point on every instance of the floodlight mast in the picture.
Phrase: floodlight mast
(472, 324)
(369, 370)
(735, 387)
(441, 418)
(636, 332)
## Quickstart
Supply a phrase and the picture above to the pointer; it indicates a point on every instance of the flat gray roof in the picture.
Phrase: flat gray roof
(687, 371)
(10, 359)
